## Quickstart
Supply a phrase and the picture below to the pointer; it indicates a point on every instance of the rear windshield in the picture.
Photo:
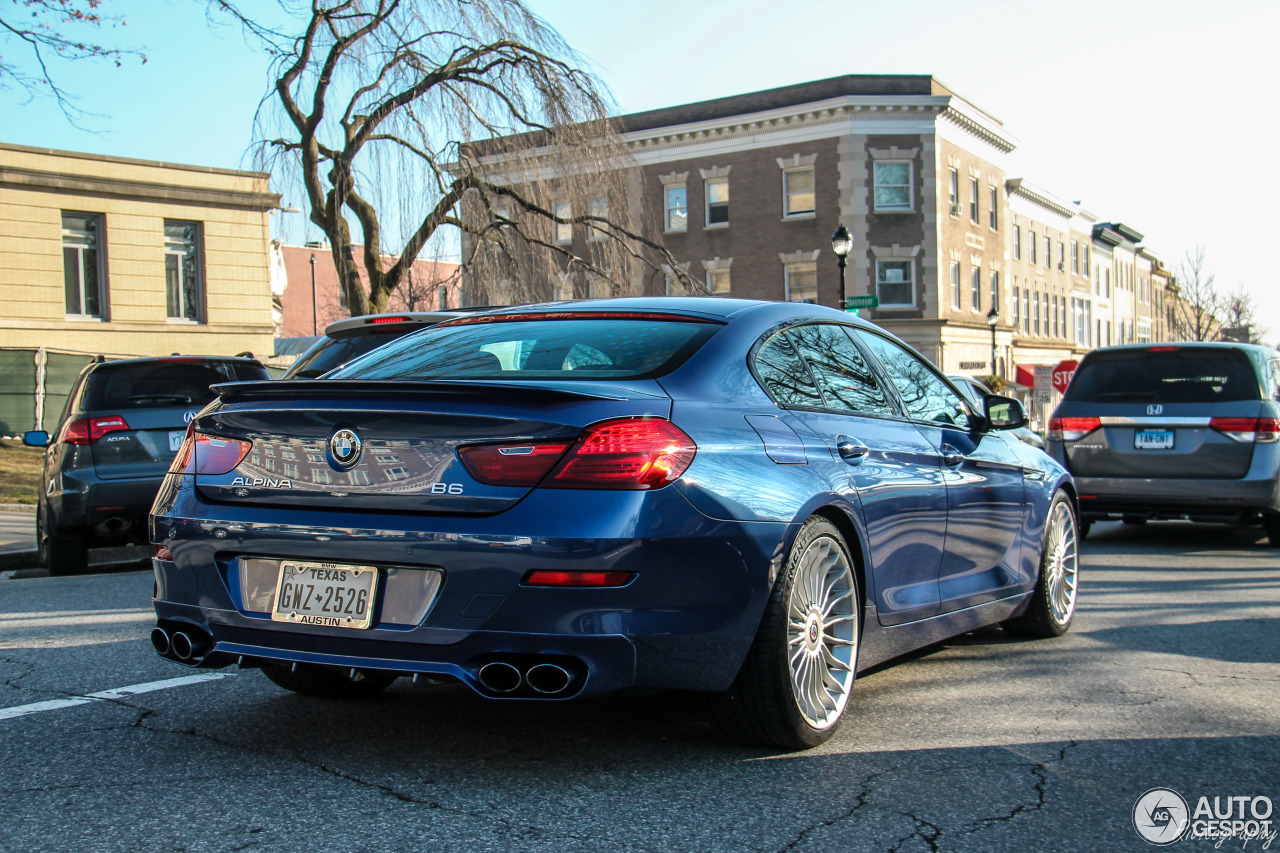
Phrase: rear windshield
(1184, 375)
(161, 384)
(537, 349)
(335, 352)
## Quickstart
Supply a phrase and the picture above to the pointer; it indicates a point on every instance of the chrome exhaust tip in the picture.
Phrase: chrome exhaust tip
(188, 647)
(160, 640)
(548, 678)
(500, 677)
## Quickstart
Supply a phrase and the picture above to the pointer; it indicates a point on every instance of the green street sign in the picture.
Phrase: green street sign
(853, 303)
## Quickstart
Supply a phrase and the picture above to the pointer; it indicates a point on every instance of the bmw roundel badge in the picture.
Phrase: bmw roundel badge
(345, 447)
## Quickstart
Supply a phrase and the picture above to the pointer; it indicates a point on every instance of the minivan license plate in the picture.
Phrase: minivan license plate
(1153, 439)
(330, 594)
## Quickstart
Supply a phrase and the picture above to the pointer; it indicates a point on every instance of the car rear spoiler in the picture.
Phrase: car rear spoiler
(293, 389)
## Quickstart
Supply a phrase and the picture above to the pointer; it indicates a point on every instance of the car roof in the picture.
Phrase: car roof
(116, 363)
(1166, 345)
(390, 319)
(721, 308)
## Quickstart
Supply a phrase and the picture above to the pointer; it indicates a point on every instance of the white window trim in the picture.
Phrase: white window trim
(99, 240)
(786, 281)
(706, 201)
(555, 209)
(911, 267)
(666, 208)
(812, 213)
(911, 187)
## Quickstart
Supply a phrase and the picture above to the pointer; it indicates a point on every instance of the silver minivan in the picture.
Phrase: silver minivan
(1166, 431)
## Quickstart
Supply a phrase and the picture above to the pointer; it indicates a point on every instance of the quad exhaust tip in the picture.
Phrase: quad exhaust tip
(160, 640)
(500, 677)
(548, 678)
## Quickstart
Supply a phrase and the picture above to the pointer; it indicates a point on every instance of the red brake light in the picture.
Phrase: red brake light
(203, 453)
(511, 464)
(377, 320)
(1162, 349)
(549, 578)
(633, 453)
(1071, 429)
(89, 430)
(1262, 430)
(575, 315)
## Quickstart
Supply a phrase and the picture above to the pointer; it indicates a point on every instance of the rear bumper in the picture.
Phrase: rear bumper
(85, 501)
(686, 621)
(1224, 500)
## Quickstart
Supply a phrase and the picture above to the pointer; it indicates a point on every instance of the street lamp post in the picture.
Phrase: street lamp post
(315, 322)
(993, 317)
(841, 244)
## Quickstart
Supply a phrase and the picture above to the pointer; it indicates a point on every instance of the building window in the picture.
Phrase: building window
(599, 208)
(953, 193)
(975, 289)
(1033, 247)
(1017, 319)
(955, 285)
(802, 283)
(1062, 256)
(82, 263)
(1086, 260)
(718, 282)
(1053, 314)
(995, 290)
(1075, 256)
(564, 230)
(895, 283)
(893, 186)
(1026, 311)
(973, 200)
(677, 207)
(1017, 242)
(993, 215)
(1048, 251)
(183, 271)
(797, 192)
(717, 201)
(1106, 278)
(1035, 305)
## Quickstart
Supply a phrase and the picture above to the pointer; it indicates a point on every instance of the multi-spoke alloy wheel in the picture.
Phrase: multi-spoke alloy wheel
(794, 685)
(1053, 604)
(821, 636)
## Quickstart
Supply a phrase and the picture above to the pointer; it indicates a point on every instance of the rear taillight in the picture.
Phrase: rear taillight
(203, 453)
(630, 453)
(377, 321)
(541, 577)
(1261, 430)
(512, 464)
(89, 430)
(1071, 429)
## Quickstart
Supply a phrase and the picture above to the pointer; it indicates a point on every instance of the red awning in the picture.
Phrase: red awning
(1026, 375)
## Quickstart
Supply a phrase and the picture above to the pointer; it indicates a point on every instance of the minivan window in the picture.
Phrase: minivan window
(1175, 375)
(569, 348)
(161, 384)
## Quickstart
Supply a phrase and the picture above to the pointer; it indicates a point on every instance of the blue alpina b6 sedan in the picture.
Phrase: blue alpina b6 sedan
(752, 499)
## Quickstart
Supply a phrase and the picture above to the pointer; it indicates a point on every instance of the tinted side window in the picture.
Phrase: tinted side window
(784, 374)
(925, 396)
(847, 383)
(1275, 380)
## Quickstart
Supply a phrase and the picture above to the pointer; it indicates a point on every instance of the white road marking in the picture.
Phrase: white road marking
(117, 693)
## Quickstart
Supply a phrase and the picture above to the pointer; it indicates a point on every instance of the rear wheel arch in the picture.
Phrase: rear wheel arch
(853, 543)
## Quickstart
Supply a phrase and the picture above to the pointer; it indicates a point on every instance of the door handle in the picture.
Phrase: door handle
(951, 457)
(850, 449)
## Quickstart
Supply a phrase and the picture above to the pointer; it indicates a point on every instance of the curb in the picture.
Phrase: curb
(20, 560)
(31, 508)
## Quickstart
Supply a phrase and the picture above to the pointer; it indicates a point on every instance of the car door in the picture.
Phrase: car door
(984, 478)
(833, 394)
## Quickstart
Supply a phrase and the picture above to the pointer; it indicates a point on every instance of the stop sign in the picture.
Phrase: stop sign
(1062, 375)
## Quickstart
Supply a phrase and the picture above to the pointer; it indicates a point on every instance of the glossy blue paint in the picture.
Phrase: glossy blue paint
(939, 547)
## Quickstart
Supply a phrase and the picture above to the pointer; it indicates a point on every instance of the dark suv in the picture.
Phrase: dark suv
(123, 423)
(1164, 431)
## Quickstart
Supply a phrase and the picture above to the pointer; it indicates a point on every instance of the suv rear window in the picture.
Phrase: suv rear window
(1182, 375)
(334, 352)
(613, 348)
(162, 384)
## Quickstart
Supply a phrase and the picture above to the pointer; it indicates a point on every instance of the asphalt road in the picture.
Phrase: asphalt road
(1170, 678)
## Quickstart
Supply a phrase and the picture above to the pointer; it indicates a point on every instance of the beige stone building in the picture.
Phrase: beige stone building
(131, 257)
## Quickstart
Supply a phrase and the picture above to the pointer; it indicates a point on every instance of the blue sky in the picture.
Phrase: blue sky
(1145, 111)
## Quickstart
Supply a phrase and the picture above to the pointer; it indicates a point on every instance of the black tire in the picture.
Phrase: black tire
(1083, 526)
(1136, 521)
(1272, 525)
(763, 706)
(327, 682)
(1046, 615)
(63, 552)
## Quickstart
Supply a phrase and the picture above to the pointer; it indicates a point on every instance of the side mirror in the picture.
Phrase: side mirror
(1003, 412)
(36, 438)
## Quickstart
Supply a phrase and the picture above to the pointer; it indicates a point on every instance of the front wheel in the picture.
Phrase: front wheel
(1053, 604)
(794, 685)
(327, 682)
(63, 552)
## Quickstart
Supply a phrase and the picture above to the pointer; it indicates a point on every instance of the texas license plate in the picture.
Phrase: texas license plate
(1153, 439)
(175, 438)
(330, 594)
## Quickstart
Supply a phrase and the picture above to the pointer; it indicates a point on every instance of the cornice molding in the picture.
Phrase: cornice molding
(1029, 191)
(37, 179)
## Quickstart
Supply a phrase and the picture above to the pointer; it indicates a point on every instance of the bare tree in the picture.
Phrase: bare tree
(477, 110)
(1239, 317)
(55, 30)
(1193, 315)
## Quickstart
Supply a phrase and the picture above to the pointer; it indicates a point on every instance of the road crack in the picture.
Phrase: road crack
(864, 791)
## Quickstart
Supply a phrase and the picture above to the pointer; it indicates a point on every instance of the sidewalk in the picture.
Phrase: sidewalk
(18, 537)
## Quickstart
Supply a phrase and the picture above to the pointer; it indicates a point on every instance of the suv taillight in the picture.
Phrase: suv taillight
(1261, 430)
(89, 430)
(1071, 429)
(204, 453)
(629, 453)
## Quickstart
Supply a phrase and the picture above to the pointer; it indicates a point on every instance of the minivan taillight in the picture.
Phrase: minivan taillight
(1261, 430)
(205, 453)
(629, 453)
(1071, 429)
(89, 430)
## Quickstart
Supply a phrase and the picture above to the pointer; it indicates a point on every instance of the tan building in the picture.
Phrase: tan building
(131, 257)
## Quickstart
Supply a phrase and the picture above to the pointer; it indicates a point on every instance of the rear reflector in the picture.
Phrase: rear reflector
(1261, 430)
(521, 464)
(204, 453)
(1071, 429)
(89, 430)
(549, 578)
(631, 453)
(163, 552)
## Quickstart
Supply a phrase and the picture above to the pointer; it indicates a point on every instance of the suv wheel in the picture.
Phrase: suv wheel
(63, 552)
(1272, 525)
